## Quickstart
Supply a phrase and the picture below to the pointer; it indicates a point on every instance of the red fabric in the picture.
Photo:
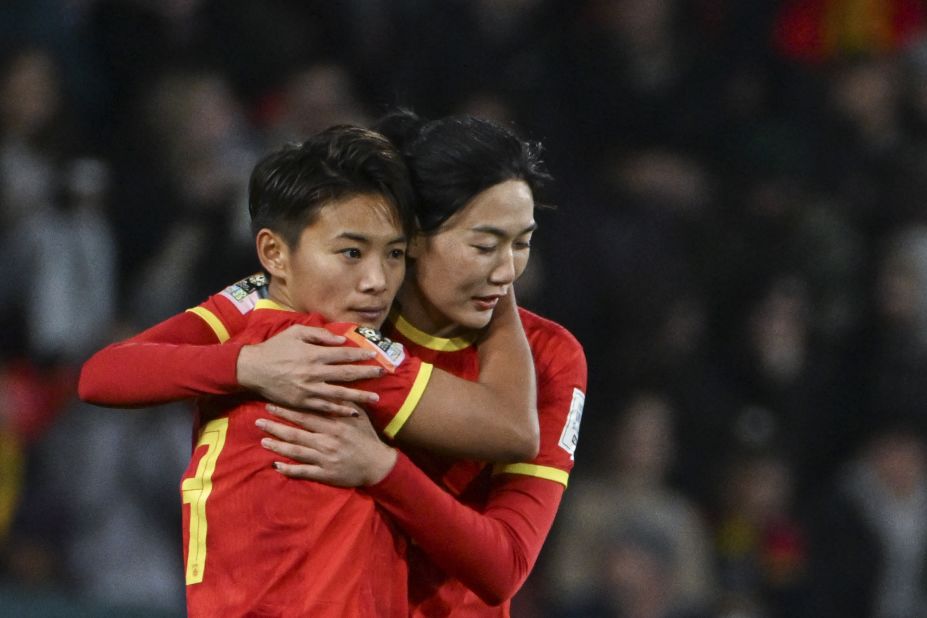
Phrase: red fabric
(393, 387)
(276, 546)
(490, 552)
(281, 547)
(507, 516)
(476, 555)
(182, 351)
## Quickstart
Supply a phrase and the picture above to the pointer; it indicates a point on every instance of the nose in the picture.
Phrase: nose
(503, 272)
(374, 279)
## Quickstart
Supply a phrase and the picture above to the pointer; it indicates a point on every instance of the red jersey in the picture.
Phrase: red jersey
(259, 543)
(490, 542)
(561, 377)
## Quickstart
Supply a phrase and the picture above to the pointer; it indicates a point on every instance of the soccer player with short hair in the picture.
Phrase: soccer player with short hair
(332, 222)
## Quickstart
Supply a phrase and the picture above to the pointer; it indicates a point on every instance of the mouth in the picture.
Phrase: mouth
(370, 314)
(486, 303)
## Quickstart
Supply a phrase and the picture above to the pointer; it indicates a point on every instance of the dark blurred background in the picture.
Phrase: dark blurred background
(739, 241)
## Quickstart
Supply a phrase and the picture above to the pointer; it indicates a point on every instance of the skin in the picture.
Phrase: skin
(298, 366)
(347, 266)
(351, 260)
(457, 279)
(461, 272)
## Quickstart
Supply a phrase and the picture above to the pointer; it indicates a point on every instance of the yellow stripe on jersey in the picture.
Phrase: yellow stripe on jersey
(415, 395)
(429, 341)
(213, 321)
(266, 303)
(545, 472)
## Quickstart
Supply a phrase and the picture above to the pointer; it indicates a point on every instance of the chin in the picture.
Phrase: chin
(475, 320)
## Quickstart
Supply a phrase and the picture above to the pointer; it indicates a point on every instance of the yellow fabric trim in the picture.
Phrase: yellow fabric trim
(213, 321)
(544, 472)
(415, 395)
(266, 303)
(429, 341)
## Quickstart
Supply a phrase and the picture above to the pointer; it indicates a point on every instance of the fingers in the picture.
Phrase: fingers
(346, 373)
(343, 393)
(305, 423)
(300, 471)
(301, 454)
(325, 406)
(343, 354)
(317, 335)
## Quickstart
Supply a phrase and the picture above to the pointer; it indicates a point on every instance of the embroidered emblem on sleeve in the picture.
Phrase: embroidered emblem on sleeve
(245, 293)
(390, 353)
(570, 435)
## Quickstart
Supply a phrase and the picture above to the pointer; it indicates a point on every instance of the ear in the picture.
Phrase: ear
(273, 253)
(416, 246)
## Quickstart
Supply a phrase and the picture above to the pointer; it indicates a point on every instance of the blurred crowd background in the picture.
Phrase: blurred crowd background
(739, 241)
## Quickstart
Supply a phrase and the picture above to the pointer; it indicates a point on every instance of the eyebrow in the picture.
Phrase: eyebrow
(498, 232)
(365, 239)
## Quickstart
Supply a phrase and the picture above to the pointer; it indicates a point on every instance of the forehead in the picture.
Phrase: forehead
(506, 205)
(370, 213)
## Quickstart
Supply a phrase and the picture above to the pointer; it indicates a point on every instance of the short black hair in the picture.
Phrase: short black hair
(451, 160)
(290, 185)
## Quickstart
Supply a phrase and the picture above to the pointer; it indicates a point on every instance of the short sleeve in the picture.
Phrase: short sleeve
(402, 384)
(226, 313)
(562, 377)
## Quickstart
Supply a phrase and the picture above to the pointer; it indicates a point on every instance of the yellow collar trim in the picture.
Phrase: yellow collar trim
(266, 303)
(431, 342)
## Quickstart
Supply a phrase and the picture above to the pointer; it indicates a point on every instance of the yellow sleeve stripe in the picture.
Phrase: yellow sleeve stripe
(415, 395)
(544, 472)
(213, 321)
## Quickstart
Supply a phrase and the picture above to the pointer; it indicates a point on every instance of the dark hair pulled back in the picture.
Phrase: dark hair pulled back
(451, 160)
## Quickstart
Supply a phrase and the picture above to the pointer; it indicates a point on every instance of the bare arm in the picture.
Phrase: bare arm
(492, 419)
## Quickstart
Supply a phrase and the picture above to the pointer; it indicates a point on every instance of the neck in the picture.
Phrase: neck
(277, 292)
(423, 315)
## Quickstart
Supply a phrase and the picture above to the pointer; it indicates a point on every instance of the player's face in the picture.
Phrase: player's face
(472, 261)
(350, 262)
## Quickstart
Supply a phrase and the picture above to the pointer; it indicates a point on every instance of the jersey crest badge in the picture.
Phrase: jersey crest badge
(570, 435)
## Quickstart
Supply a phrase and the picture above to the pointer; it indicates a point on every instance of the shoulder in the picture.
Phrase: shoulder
(550, 342)
(537, 326)
(264, 322)
(245, 293)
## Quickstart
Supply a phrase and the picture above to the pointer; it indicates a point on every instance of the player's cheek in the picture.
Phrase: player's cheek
(521, 263)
